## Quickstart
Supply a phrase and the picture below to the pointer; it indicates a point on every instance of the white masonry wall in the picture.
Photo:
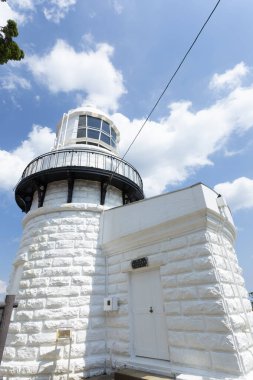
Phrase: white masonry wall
(59, 279)
(208, 314)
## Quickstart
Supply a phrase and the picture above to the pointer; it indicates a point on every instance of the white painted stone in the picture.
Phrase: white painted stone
(36, 303)
(195, 278)
(17, 340)
(79, 301)
(226, 362)
(24, 315)
(43, 263)
(214, 307)
(184, 293)
(75, 324)
(56, 302)
(172, 308)
(239, 322)
(209, 341)
(191, 357)
(181, 266)
(217, 324)
(41, 338)
(209, 291)
(203, 263)
(185, 323)
(14, 327)
(64, 312)
(31, 327)
(65, 280)
(9, 353)
(50, 353)
(27, 353)
(59, 291)
(59, 281)
(247, 359)
(24, 284)
(243, 341)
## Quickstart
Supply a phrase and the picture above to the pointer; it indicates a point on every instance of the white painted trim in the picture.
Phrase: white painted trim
(196, 221)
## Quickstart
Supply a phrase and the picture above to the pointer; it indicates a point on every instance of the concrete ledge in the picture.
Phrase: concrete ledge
(131, 374)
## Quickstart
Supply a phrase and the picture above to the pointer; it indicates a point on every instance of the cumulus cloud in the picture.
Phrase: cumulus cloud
(238, 194)
(231, 78)
(56, 10)
(22, 10)
(8, 13)
(63, 70)
(39, 140)
(22, 4)
(170, 150)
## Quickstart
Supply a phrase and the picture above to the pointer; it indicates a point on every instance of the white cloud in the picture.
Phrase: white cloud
(7, 13)
(231, 78)
(12, 81)
(39, 140)
(169, 151)
(56, 10)
(91, 72)
(117, 6)
(88, 39)
(22, 4)
(22, 10)
(238, 194)
(2, 287)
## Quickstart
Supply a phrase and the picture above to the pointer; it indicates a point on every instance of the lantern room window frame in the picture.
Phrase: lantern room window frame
(95, 128)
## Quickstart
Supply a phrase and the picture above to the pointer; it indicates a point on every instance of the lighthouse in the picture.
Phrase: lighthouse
(107, 281)
(59, 271)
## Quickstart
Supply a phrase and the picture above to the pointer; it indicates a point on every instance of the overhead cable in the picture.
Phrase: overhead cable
(168, 84)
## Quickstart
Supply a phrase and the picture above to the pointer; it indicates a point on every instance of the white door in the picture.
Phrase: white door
(149, 325)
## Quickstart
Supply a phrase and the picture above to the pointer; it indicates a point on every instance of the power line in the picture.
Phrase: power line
(168, 84)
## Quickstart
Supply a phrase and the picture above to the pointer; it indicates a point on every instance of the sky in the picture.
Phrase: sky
(118, 55)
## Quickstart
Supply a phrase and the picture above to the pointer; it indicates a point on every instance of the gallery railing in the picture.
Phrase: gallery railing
(83, 158)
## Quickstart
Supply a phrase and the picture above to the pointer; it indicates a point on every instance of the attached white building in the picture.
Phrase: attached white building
(105, 279)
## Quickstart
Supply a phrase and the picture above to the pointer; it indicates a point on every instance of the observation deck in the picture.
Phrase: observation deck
(71, 164)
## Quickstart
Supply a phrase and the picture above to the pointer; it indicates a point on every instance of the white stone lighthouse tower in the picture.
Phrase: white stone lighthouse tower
(154, 285)
(59, 272)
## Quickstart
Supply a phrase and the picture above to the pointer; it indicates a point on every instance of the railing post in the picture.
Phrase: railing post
(5, 321)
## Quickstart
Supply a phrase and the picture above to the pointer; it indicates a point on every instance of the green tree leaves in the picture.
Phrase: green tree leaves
(9, 49)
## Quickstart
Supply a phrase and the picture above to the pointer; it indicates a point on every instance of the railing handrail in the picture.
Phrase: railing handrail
(138, 181)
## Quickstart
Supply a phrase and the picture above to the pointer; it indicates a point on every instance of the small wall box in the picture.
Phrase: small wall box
(63, 334)
(111, 304)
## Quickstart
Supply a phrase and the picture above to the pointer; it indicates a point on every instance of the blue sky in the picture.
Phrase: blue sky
(119, 55)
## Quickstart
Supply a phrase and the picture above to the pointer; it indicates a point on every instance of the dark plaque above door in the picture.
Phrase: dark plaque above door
(140, 263)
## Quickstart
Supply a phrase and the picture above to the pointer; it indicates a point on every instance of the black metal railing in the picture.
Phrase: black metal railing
(83, 158)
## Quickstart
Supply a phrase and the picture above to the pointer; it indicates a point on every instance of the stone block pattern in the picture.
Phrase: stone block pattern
(87, 192)
(205, 301)
(62, 286)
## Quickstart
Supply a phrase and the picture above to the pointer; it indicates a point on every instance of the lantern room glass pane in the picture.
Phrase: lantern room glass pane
(94, 122)
(106, 127)
(105, 138)
(114, 136)
(93, 134)
(82, 120)
(81, 132)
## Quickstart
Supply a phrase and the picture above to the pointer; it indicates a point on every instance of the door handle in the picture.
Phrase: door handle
(151, 309)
